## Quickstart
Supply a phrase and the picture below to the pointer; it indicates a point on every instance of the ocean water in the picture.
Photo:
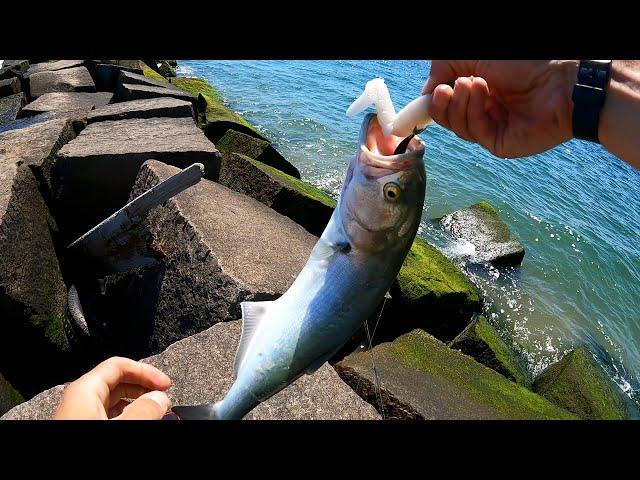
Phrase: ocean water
(575, 208)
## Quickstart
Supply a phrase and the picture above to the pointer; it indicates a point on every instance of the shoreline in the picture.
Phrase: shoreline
(433, 305)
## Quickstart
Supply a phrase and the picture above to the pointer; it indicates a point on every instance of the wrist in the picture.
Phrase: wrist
(567, 73)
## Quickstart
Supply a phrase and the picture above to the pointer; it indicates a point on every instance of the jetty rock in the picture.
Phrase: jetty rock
(33, 345)
(65, 102)
(75, 79)
(95, 172)
(10, 86)
(13, 68)
(106, 75)
(10, 107)
(430, 293)
(482, 342)
(166, 107)
(421, 378)
(237, 142)
(302, 202)
(220, 248)
(201, 370)
(578, 384)
(53, 66)
(481, 225)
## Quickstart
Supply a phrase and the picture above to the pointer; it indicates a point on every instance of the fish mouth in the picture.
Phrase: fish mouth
(376, 150)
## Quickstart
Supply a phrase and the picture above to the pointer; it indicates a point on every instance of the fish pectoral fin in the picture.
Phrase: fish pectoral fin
(252, 315)
(324, 249)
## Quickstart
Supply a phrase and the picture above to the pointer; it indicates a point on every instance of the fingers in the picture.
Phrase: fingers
(116, 370)
(150, 406)
(481, 126)
(446, 71)
(465, 110)
(457, 112)
(439, 105)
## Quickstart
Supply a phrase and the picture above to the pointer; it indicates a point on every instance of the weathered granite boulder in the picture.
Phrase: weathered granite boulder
(106, 75)
(578, 384)
(294, 198)
(421, 378)
(481, 341)
(35, 146)
(13, 68)
(53, 66)
(77, 117)
(33, 345)
(141, 79)
(128, 92)
(220, 247)
(430, 293)
(166, 70)
(149, 108)
(10, 86)
(237, 142)
(481, 225)
(68, 80)
(9, 396)
(66, 101)
(10, 107)
(201, 367)
(95, 172)
(218, 117)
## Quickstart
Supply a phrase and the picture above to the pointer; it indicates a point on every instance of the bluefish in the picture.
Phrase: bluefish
(350, 269)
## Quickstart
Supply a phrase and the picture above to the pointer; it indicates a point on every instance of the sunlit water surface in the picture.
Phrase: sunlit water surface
(575, 208)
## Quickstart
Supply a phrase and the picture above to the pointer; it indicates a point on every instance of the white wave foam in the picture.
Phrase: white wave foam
(184, 70)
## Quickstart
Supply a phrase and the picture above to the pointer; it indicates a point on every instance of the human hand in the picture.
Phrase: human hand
(513, 108)
(98, 394)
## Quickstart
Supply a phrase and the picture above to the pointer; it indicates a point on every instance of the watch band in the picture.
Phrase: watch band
(588, 98)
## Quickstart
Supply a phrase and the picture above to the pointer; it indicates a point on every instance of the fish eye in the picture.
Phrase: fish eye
(392, 191)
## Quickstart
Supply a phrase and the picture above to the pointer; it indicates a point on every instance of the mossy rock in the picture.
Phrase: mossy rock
(166, 70)
(421, 378)
(9, 396)
(147, 71)
(218, 117)
(481, 341)
(305, 204)
(481, 225)
(580, 385)
(172, 63)
(237, 142)
(433, 294)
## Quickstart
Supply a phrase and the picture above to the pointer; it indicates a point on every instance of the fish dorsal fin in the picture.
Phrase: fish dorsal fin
(252, 314)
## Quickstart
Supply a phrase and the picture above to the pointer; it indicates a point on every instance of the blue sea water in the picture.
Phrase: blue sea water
(575, 208)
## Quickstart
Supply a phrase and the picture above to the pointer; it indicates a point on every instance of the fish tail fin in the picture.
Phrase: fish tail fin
(205, 411)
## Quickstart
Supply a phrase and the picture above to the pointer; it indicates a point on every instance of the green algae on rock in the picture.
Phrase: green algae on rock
(481, 341)
(218, 117)
(433, 294)
(151, 73)
(481, 225)
(421, 378)
(237, 142)
(578, 384)
(302, 202)
(166, 70)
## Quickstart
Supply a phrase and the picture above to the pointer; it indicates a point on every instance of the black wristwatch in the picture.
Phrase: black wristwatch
(588, 98)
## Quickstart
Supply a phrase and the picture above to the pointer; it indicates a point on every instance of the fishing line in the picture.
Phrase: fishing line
(378, 390)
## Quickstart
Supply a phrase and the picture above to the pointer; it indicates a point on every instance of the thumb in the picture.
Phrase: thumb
(150, 406)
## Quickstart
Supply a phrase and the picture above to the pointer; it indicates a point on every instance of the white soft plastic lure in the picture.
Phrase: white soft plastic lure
(350, 269)
(412, 119)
